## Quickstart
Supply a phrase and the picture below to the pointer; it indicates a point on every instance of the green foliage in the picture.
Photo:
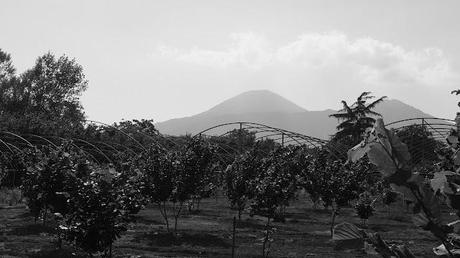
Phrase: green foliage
(392, 157)
(158, 175)
(364, 207)
(389, 197)
(156, 166)
(421, 144)
(43, 100)
(98, 213)
(240, 176)
(91, 204)
(7, 69)
(334, 182)
(12, 168)
(348, 236)
(49, 174)
(196, 166)
(237, 142)
(142, 131)
(177, 176)
(274, 186)
(128, 185)
(356, 118)
(276, 183)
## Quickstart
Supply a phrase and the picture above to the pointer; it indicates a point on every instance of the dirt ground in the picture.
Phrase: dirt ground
(208, 233)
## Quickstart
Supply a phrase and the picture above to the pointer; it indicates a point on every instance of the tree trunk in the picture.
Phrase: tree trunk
(334, 214)
(44, 216)
(234, 237)
(266, 239)
(164, 213)
(176, 215)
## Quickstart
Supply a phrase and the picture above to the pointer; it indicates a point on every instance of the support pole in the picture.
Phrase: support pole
(241, 138)
(233, 236)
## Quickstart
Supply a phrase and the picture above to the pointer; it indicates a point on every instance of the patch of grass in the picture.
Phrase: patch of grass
(9, 197)
(57, 253)
(32, 229)
(195, 239)
(209, 234)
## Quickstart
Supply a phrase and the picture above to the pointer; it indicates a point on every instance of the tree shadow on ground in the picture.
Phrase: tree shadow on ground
(24, 215)
(56, 253)
(146, 220)
(252, 224)
(169, 239)
(32, 229)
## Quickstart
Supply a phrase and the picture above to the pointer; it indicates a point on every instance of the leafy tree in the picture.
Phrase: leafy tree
(7, 70)
(196, 168)
(128, 186)
(239, 179)
(142, 131)
(421, 144)
(355, 119)
(92, 204)
(12, 168)
(97, 214)
(45, 99)
(364, 207)
(334, 182)
(276, 185)
(392, 158)
(50, 173)
(159, 177)
(456, 92)
(235, 142)
(179, 176)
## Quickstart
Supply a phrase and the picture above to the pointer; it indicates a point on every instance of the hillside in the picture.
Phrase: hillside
(271, 109)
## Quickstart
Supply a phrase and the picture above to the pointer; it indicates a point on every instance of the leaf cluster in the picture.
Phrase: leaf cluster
(392, 158)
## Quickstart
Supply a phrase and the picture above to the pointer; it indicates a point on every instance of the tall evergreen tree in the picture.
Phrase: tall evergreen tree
(356, 118)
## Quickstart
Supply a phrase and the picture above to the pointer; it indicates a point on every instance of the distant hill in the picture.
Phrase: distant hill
(256, 101)
(268, 108)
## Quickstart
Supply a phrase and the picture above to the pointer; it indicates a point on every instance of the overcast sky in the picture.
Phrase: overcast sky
(168, 59)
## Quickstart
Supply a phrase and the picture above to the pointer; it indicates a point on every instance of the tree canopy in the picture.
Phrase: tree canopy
(356, 118)
(44, 99)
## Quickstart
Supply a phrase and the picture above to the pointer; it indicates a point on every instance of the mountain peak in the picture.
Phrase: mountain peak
(266, 107)
(255, 101)
(394, 110)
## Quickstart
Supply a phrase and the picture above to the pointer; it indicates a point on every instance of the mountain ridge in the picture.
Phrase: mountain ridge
(247, 100)
(266, 107)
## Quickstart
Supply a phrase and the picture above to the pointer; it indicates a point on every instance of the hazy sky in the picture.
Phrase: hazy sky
(167, 59)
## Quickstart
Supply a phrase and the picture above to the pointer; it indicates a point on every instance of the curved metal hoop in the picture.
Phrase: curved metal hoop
(422, 148)
(440, 128)
(266, 131)
(281, 136)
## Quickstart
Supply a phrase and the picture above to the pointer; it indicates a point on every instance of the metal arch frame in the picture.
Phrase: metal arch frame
(156, 139)
(282, 136)
(16, 141)
(121, 131)
(222, 158)
(18, 137)
(261, 128)
(279, 135)
(42, 138)
(94, 147)
(422, 119)
(440, 129)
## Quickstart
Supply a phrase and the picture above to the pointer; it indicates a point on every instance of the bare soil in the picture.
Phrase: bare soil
(208, 233)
